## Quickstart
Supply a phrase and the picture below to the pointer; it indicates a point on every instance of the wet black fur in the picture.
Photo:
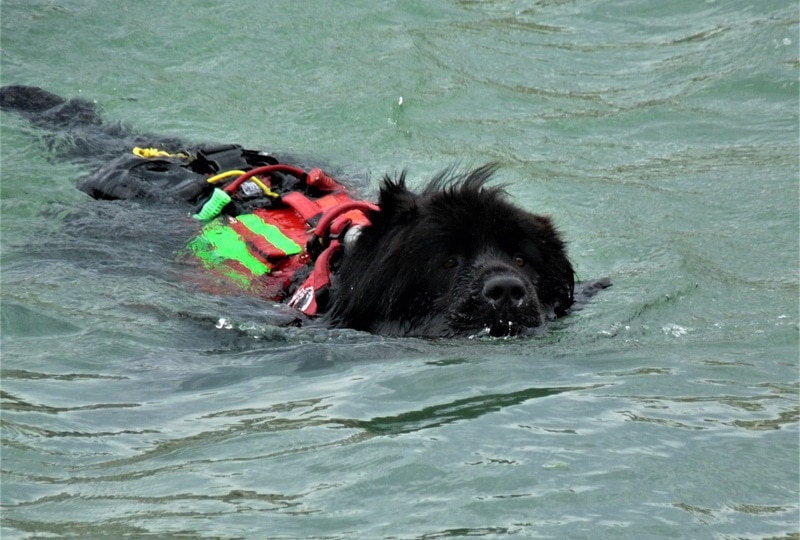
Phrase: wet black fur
(423, 265)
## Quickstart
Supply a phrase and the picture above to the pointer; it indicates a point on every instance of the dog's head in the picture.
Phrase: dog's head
(454, 259)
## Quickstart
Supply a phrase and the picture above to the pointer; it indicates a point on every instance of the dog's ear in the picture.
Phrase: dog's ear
(396, 201)
(556, 274)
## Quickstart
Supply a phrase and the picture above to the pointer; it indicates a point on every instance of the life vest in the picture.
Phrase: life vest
(266, 227)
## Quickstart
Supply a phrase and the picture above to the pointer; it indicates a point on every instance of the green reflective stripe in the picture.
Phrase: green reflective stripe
(271, 233)
(225, 244)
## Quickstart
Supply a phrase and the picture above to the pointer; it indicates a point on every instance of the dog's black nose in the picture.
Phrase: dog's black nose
(504, 291)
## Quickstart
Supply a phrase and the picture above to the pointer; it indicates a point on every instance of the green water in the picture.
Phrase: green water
(661, 136)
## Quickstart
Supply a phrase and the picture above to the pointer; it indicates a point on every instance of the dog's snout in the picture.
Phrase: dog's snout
(504, 291)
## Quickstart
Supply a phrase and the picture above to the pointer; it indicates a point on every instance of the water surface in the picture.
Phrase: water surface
(662, 138)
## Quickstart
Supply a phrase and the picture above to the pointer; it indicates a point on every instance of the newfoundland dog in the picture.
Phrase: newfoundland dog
(454, 259)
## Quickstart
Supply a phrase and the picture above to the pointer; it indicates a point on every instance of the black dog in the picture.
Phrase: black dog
(456, 259)
(453, 260)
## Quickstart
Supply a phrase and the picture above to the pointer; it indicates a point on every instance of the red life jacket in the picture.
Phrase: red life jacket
(261, 251)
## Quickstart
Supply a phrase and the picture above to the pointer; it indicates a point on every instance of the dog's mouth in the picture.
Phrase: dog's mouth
(498, 324)
(503, 329)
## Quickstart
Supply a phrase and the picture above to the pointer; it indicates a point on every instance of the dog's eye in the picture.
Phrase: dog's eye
(519, 261)
(452, 262)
